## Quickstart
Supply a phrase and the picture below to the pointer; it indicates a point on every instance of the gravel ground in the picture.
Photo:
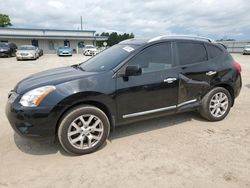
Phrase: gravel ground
(175, 151)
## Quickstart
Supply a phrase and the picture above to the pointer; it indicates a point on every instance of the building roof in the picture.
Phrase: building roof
(37, 29)
(27, 33)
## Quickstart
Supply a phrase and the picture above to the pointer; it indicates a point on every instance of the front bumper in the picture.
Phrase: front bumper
(30, 122)
(25, 57)
(90, 52)
(64, 53)
(4, 53)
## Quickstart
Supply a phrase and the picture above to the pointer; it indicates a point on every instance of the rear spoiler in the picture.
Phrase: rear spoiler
(224, 46)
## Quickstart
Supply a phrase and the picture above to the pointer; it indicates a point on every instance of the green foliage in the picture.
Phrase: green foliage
(4, 20)
(114, 38)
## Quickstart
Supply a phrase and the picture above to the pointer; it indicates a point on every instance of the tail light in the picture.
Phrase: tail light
(237, 66)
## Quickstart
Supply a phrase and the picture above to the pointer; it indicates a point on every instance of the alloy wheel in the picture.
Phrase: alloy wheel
(85, 131)
(218, 104)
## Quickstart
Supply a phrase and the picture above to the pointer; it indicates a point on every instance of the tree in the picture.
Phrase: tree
(4, 20)
(114, 38)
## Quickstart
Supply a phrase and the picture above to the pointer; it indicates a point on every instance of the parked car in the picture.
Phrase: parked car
(40, 52)
(130, 81)
(7, 49)
(27, 52)
(90, 50)
(64, 51)
(246, 50)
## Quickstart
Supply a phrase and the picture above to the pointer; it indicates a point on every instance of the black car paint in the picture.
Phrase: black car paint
(8, 51)
(116, 95)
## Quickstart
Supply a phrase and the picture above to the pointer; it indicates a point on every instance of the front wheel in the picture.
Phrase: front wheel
(83, 130)
(216, 104)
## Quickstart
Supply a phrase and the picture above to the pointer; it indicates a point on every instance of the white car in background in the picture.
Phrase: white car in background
(27, 52)
(90, 50)
(246, 50)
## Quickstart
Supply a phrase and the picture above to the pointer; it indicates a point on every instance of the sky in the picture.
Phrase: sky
(145, 18)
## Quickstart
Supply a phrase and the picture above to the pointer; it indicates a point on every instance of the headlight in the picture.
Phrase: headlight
(35, 96)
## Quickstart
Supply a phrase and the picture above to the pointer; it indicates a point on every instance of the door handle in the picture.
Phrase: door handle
(170, 80)
(210, 73)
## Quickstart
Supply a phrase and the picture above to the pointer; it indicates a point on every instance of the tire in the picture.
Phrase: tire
(209, 108)
(72, 122)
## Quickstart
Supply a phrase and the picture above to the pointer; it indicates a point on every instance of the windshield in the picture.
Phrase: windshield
(3, 45)
(89, 47)
(62, 48)
(26, 48)
(109, 58)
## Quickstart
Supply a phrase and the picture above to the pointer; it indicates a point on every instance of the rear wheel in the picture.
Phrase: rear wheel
(216, 104)
(83, 130)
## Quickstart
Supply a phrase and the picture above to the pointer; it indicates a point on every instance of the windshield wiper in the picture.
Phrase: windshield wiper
(78, 66)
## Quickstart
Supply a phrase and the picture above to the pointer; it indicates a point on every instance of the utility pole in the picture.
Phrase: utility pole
(81, 22)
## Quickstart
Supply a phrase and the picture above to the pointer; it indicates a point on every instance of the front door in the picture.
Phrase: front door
(155, 90)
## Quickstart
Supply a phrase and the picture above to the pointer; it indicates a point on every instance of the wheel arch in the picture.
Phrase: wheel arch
(96, 104)
(229, 88)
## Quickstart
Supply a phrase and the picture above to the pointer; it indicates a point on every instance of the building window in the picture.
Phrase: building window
(5, 41)
(66, 43)
(35, 43)
(81, 45)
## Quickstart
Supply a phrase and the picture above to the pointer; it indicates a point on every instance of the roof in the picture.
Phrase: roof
(26, 33)
(187, 37)
(100, 38)
(37, 29)
(166, 37)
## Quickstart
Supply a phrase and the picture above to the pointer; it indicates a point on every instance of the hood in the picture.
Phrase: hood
(26, 51)
(50, 77)
(91, 49)
(64, 49)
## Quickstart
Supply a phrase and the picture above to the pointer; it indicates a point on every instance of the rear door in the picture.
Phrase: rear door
(196, 71)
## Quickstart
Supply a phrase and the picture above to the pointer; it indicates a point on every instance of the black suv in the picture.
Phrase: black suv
(7, 49)
(133, 80)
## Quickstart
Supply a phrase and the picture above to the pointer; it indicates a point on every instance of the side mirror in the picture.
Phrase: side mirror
(133, 70)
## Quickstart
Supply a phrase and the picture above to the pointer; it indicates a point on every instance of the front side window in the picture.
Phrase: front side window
(154, 58)
(190, 53)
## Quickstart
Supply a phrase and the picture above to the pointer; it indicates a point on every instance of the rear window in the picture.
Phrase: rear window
(214, 51)
(190, 53)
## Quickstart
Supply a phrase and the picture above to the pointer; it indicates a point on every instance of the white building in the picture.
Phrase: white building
(50, 39)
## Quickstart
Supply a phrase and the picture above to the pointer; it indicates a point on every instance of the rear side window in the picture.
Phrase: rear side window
(190, 53)
(214, 51)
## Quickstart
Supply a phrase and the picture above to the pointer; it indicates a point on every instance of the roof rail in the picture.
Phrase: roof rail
(181, 36)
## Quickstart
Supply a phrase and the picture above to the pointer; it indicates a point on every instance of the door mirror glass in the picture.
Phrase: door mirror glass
(133, 70)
